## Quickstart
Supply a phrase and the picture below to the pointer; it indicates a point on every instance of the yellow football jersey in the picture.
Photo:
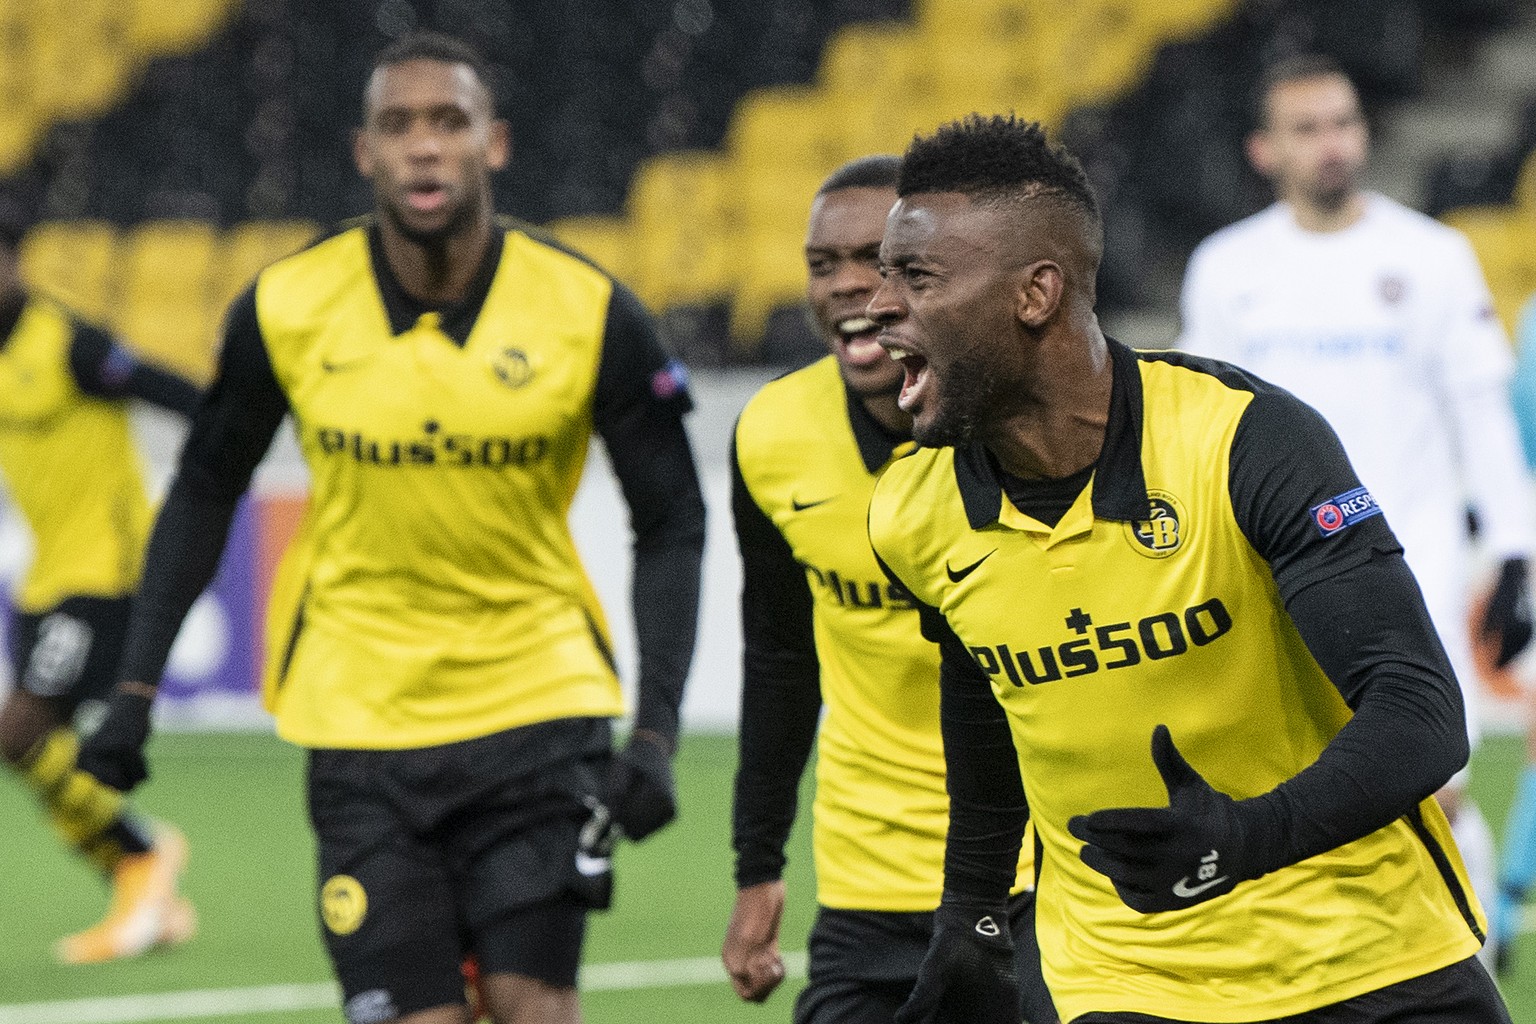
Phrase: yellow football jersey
(70, 466)
(434, 592)
(809, 458)
(1147, 604)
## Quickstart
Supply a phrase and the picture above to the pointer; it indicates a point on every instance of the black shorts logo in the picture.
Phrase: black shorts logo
(343, 904)
(1162, 534)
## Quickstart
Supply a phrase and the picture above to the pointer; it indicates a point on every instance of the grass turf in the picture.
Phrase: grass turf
(239, 798)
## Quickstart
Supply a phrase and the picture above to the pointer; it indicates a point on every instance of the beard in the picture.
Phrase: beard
(1334, 186)
(967, 395)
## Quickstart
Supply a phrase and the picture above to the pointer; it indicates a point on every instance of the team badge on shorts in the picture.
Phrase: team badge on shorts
(1164, 533)
(343, 904)
(1347, 509)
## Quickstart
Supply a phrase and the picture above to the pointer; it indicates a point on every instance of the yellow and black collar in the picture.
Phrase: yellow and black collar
(1119, 485)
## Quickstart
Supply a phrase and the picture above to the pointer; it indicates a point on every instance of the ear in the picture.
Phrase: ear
(498, 150)
(1040, 290)
(362, 153)
(1261, 152)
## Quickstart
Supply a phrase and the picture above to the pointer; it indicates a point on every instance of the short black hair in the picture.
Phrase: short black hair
(437, 46)
(1295, 67)
(880, 171)
(995, 158)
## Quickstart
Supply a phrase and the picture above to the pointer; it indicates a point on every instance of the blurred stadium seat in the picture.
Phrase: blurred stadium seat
(669, 138)
(75, 262)
(165, 308)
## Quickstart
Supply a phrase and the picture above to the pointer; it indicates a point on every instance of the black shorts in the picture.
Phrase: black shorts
(70, 652)
(863, 964)
(483, 847)
(1459, 994)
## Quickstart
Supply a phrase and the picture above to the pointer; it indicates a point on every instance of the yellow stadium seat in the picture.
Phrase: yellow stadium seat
(682, 211)
(165, 310)
(772, 265)
(859, 56)
(77, 263)
(785, 126)
(246, 249)
(83, 52)
(1504, 238)
(159, 26)
(1182, 19)
(605, 241)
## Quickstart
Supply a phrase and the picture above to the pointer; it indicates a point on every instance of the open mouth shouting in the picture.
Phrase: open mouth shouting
(858, 335)
(915, 385)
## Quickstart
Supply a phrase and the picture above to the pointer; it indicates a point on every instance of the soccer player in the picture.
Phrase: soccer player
(1517, 869)
(1177, 634)
(69, 464)
(822, 625)
(1379, 318)
(434, 640)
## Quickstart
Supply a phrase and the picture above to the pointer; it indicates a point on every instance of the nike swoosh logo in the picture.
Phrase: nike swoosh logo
(801, 506)
(956, 575)
(333, 367)
(1184, 891)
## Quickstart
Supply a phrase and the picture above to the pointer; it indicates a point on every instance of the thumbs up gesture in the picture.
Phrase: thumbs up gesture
(1169, 858)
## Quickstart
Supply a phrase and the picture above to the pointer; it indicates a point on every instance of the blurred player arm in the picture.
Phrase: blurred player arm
(780, 690)
(1359, 610)
(1476, 369)
(638, 406)
(231, 431)
(780, 709)
(106, 368)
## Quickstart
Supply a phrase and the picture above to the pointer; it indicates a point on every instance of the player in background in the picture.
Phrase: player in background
(1176, 635)
(1517, 870)
(435, 642)
(822, 626)
(1379, 318)
(69, 465)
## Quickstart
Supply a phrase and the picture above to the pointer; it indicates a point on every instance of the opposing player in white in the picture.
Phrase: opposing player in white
(1380, 318)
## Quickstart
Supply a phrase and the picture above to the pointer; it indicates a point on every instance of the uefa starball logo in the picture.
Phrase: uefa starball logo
(1344, 510)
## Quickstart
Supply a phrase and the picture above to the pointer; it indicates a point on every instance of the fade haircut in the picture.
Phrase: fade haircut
(434, 46)
(879, 171)
(1298, 67)
(996, 159)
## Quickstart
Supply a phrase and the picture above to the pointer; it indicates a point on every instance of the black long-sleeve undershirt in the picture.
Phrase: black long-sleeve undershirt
(105, 368)
(780, 690)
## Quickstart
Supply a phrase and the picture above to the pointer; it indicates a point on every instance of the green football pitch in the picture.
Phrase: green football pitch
(258, 959)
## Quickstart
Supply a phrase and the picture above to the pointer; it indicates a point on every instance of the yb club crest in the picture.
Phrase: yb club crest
(511, 367)
(1162, 534)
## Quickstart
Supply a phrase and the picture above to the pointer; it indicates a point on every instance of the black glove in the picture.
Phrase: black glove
(968, 974)
(641, 793)
(114, 753)
(1169, 858)
(1507, 618)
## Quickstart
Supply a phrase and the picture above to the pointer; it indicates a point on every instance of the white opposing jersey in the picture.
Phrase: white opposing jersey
(1387, 328)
